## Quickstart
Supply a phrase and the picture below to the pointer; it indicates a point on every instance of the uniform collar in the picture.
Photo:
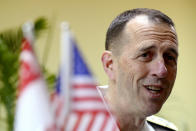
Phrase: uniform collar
(147, 127)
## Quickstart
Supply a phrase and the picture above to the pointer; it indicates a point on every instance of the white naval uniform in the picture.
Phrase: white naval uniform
(148, 127)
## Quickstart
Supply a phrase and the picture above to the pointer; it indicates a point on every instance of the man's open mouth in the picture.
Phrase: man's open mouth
(154, 89)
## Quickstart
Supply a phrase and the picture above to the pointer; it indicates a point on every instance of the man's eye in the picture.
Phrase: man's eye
(170, 58)
(146, 56)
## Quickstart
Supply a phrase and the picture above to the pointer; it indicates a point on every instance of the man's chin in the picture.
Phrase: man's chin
(153, 109)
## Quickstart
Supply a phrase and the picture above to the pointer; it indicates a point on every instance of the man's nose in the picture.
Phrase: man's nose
(159, 69)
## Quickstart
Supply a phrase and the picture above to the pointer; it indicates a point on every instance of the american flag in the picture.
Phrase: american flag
(84, 109)
(33, 106)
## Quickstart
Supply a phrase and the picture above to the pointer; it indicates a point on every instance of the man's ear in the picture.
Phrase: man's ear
(108, 64)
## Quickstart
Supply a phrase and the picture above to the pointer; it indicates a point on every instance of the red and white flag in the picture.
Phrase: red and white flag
(33, 105)
(83, 108)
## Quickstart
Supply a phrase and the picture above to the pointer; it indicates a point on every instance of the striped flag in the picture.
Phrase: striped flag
(33, 105)
(84, 109)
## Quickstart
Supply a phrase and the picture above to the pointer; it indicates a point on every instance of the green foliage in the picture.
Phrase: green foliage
(10, 44)
(40, 25)
(50, 79)
(12, 38)
(8, 77)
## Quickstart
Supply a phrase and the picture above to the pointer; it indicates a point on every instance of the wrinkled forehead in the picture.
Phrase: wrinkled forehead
(141, 27)
(145, 19)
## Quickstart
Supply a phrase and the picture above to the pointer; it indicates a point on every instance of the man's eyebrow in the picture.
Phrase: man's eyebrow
(174, 51)
(146, 48)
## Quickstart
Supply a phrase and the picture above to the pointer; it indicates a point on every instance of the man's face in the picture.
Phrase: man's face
(145, 70)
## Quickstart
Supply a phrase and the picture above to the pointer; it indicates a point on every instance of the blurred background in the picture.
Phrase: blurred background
(89, 20)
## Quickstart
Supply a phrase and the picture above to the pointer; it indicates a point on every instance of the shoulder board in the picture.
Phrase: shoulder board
(161, 122)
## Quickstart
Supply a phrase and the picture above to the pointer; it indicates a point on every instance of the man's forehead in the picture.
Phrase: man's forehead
(144, 19)
(142, 24)
(134, 24)
(141, 27)
(140, 19)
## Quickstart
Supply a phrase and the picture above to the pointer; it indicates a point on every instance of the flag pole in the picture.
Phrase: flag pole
(28, 31)
(66, 51)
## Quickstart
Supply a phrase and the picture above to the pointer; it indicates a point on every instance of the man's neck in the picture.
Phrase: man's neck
(128, 121)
